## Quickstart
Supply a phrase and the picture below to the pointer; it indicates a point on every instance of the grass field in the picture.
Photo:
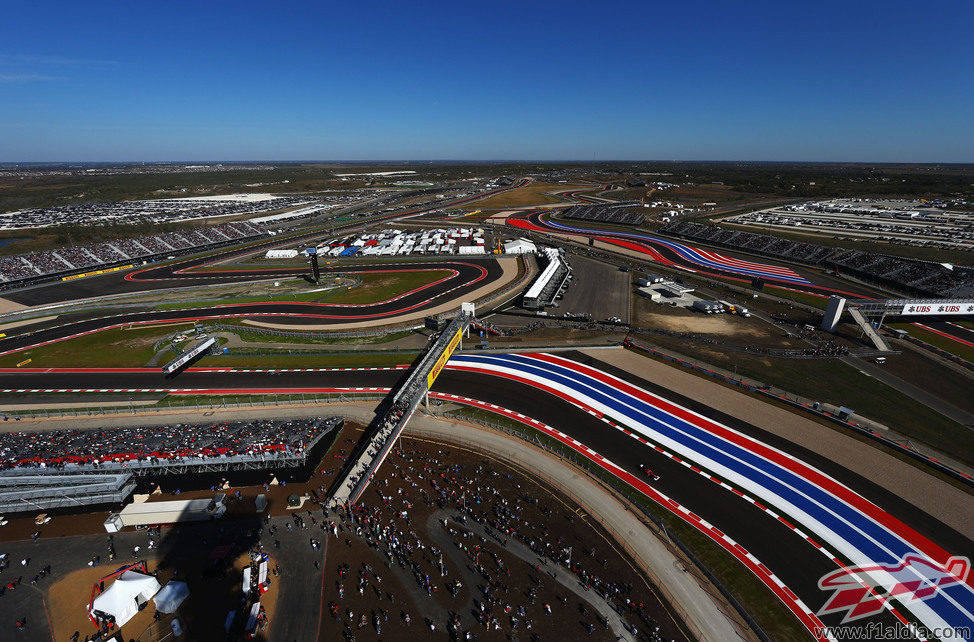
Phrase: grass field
(250, 336)
(349, 360)
(924, 371)
(281, 298)
(381, 287)
(835, 382)
(123, 348)
(801, 297)
(531, 194)
(948, 345)
(115, 348)
(372, 289)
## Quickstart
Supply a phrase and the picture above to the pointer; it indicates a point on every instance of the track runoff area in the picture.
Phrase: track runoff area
(826, 542)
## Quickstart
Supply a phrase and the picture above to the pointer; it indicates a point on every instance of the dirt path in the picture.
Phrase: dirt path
(931, 495)
(700, 324)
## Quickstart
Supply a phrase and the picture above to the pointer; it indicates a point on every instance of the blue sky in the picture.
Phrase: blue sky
(847, 81)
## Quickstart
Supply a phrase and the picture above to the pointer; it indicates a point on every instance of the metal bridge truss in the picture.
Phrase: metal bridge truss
(382, 437)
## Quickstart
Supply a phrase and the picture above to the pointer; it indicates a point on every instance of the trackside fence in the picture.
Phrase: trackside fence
(215, 403)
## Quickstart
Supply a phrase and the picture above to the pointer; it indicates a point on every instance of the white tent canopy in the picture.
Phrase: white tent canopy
(127, 593)
(171, 596)
(520, 246)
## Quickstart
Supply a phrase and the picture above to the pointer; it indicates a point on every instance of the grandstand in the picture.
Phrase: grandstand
(757, 243)
(24, 269)
(164, 210)
(23, 490)
(922, 277)
(605, 214)
(910, 274)
(549, 283)
(180, 448)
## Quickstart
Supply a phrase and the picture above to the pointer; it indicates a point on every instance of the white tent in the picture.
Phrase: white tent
(520, 246)
(128, 592)
(171, 596)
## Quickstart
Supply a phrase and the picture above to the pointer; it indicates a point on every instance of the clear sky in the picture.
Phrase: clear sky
(851, 81)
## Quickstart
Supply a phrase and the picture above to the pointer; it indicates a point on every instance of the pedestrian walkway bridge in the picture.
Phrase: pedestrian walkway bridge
(869, 330)
(381, 436)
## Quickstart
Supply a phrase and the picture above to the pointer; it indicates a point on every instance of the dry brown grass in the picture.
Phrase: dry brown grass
(531, 194)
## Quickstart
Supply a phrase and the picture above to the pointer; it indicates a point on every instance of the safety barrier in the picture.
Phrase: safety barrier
(215, 404)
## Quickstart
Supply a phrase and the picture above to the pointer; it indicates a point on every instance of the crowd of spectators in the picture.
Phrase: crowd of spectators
(922, 276)
(763, 244)
(59, 447)
(511, 596)
(162, 210)
(35, 264)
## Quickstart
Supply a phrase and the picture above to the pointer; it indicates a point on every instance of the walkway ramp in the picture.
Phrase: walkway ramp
(381, 436)
(486, 326)
(870, 331)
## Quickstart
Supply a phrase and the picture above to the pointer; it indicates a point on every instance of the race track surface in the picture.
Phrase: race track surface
(464, 277)
(696, 260)
(187, 272)
(788, 553)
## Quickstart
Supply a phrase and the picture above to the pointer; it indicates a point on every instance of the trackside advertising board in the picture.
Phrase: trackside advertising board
(454, 342)
(915, 309)
(172, 366)
(105, 271)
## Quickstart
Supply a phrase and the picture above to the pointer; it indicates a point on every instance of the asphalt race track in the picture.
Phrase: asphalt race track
(465, 277)
(186, 272)
(791, 555)
(793, 559)
(724, 264)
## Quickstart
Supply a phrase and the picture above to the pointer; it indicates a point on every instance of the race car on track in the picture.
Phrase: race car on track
(649, 472)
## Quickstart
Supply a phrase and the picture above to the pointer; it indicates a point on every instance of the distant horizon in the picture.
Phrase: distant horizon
(475, 162)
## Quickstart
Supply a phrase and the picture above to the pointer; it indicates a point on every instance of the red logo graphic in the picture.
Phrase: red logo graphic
(861, 591)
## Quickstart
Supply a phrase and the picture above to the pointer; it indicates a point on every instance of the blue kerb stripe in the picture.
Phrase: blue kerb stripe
(819, 504)
(685, 251)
